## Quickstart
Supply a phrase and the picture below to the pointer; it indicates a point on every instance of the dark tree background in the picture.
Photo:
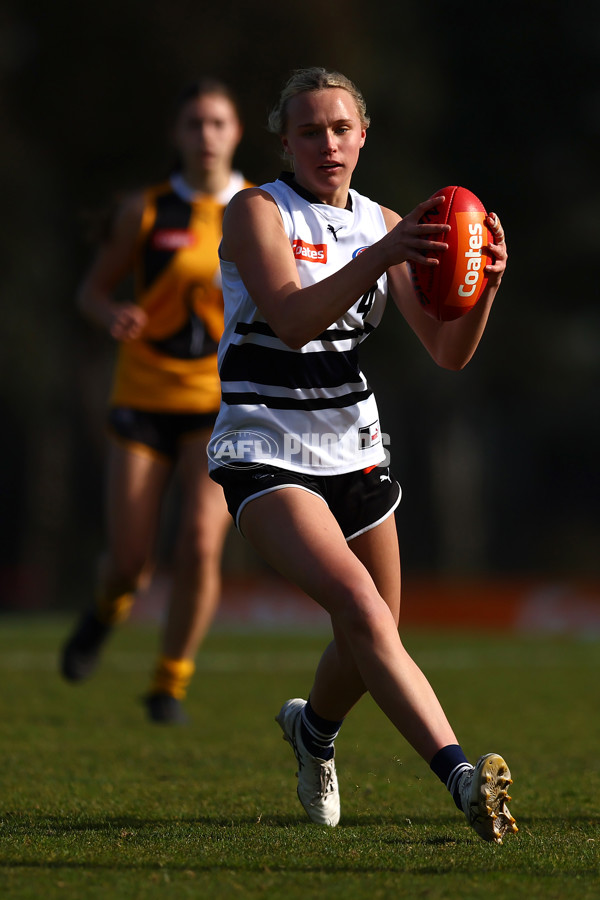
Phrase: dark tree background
(499, 463)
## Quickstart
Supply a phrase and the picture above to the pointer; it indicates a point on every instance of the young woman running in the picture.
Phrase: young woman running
(307, 264)
(165, 394)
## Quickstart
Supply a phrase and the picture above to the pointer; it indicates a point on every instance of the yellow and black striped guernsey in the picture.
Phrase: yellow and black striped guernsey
(173, 366)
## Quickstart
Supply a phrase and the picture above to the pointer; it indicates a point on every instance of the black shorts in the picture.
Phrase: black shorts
(359, 500)
(161, 432)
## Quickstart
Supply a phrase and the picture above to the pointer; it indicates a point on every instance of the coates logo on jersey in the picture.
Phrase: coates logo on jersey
(173, 239)
(359, 251)
(309, 252)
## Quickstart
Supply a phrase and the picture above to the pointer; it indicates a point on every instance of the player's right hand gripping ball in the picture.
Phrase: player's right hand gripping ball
(452, 288)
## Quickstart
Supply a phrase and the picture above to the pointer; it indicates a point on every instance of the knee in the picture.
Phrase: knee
(199, 546)
(364, 614)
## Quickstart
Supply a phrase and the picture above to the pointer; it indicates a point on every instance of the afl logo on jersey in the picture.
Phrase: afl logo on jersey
(250, 447)
(173, 239)
(359, 251)
(309, 252)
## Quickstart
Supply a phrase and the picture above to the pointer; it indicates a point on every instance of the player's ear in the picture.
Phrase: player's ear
(363, 137)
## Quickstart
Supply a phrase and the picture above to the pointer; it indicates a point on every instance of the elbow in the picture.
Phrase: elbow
(291, 318)
(453, 355)
(294, 343)
(456, 365)
(452, 362)
(293, 337)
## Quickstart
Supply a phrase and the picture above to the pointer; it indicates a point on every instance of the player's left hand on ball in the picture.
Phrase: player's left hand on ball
(497, 248)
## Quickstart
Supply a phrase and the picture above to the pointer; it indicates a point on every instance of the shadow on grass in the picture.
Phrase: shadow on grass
(284, 868)
(425, 845)
(16, 822)
(19, 822)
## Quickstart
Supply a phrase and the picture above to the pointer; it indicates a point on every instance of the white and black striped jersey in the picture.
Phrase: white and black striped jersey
(309, 409)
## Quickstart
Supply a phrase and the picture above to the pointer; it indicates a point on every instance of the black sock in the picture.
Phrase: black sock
(449, 763)
(318, 734)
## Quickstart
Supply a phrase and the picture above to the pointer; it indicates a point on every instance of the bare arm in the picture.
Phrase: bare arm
(451, 344)
(254, 238)
(113, 262)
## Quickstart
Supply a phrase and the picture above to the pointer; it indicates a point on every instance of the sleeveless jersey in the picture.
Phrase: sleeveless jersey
(173, 366)
(309, 409)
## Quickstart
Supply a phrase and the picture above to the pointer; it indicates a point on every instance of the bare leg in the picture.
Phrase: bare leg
(295, 532)
(197, 579)
(135, 487)
(338, 684)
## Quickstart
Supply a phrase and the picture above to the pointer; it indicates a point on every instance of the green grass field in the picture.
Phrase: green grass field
(96, 802)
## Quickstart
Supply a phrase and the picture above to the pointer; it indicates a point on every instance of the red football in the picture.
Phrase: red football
(451, 289)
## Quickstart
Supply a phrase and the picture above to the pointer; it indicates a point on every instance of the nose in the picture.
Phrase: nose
(329, 142)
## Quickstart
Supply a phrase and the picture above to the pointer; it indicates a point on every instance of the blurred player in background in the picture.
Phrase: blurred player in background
(165, 393)
(307, 264)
